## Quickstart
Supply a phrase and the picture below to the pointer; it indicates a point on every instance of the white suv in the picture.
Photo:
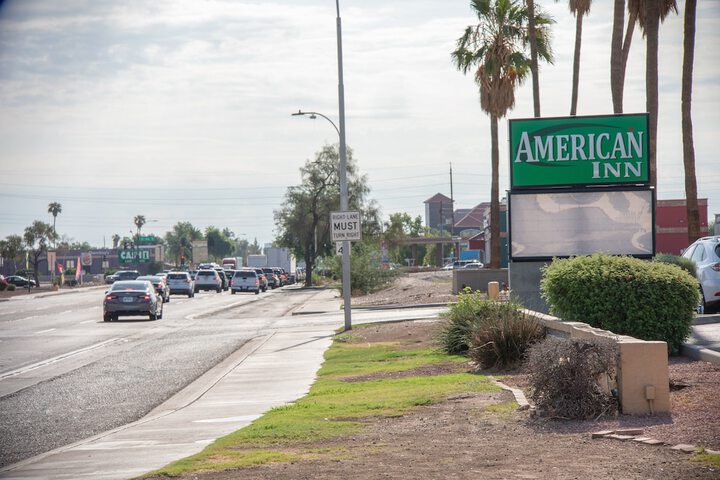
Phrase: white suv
(182, 283)
(245, 281)
(705, 253)
(208, 280)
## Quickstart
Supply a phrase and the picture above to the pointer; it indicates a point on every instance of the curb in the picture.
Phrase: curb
(399, 307)
(519, 395)
(698, 352)
(706, 319)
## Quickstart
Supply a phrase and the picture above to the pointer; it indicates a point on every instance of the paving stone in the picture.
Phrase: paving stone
(620, 437)
(601, 434)
(684, 447)
(653, 442)
(630, 431)
(641, 439)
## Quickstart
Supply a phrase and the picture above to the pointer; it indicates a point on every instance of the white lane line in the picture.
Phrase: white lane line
(52, 360)
(86, 321)
(66, 311)
(26, 318)
(45, 331)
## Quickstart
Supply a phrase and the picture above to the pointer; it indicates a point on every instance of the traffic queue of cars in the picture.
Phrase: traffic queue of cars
(131, 294)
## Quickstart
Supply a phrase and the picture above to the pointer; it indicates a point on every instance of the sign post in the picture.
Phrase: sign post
(344, 228)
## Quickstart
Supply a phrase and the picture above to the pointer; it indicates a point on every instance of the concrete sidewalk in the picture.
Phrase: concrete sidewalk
(267, 372)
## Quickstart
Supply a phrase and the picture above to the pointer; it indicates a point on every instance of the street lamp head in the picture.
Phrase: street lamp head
(299, 112)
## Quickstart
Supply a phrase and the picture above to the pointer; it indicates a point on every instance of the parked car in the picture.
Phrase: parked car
(181, 283)
(272, 278)
(110, 279)
(132, 297)
(19, 281)
(262, 278)
(160, 286)
(473, 265)
(208, 280)
(705, 253)
(245, 281)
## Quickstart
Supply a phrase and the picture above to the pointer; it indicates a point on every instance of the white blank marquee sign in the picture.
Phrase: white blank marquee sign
(345, 226)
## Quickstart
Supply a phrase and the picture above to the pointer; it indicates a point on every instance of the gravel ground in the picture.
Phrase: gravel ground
(463, 437)
(413, 289)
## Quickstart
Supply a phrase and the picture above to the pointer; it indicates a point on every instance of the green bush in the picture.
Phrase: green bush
(454, 335)
(628, 296)
(682, 262)
(501, 340)
(366, 274)
(3, 285)
(565, 373)
(11, 287)
(493, 334)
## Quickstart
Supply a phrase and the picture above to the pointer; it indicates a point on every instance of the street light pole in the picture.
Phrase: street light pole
(343, 173)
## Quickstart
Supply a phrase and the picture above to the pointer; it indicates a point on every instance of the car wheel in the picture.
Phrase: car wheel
(233, 292)
(167, 300)
(257, 291)
(190, 295)
(159, 317)
(218, 290)
(107, 317)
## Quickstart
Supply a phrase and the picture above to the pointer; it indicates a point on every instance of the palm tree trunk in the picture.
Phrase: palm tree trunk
(616, 67)
(693, 212)
(576, 64)
(533, 57)
(494, 196)
(652, 19)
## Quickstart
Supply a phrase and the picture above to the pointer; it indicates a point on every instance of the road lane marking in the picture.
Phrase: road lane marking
(87, 321)
(56, 359)
(45, 331)
(26, 318)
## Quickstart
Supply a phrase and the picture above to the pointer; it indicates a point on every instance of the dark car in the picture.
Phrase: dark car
(19, 281)
(263, 279)
(133, 298)
(126, 275)
(272, 278)
(160, 285)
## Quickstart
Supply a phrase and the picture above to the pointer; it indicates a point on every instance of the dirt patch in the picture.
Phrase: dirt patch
(418, 334)
(476, 435)
(413, 289)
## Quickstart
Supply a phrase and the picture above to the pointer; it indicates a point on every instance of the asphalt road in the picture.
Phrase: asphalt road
(66, 375)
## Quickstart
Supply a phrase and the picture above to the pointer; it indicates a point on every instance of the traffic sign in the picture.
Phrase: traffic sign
(345, 226)
(339, 248)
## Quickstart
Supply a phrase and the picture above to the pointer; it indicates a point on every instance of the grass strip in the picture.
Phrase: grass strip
(335, 407)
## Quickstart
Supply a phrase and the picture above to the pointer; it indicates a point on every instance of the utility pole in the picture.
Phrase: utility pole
(456, 248)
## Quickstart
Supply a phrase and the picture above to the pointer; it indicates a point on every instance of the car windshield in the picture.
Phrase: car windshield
(177, 276)
(150, 279)
(136, 285)
(244, 274)
(206, 273)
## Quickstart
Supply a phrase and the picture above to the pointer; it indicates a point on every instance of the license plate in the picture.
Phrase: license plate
(127, 299)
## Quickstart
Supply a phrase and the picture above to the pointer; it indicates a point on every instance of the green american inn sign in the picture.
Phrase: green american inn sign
(567, 151)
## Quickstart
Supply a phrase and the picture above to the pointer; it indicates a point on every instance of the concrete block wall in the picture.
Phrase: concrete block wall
(642, 367)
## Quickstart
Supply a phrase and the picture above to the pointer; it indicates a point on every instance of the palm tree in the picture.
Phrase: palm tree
(496, 49)
(621, 48)
(54, 208)
(139, 222)
(579, 8)
(116, 240)
(693, 212)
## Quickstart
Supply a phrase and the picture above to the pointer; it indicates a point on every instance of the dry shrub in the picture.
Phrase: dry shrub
(567, 377)
(501, 339)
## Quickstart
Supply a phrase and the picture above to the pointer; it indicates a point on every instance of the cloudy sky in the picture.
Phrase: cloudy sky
(179, 110)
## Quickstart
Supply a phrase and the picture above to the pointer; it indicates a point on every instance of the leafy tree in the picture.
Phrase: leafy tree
(254, 248)
(11, 248)
(54, 208)
(399, 227)
(179, 240)
(219, 245)
(37, 237)
(495, 50)
(303, 222)
(691, 194)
